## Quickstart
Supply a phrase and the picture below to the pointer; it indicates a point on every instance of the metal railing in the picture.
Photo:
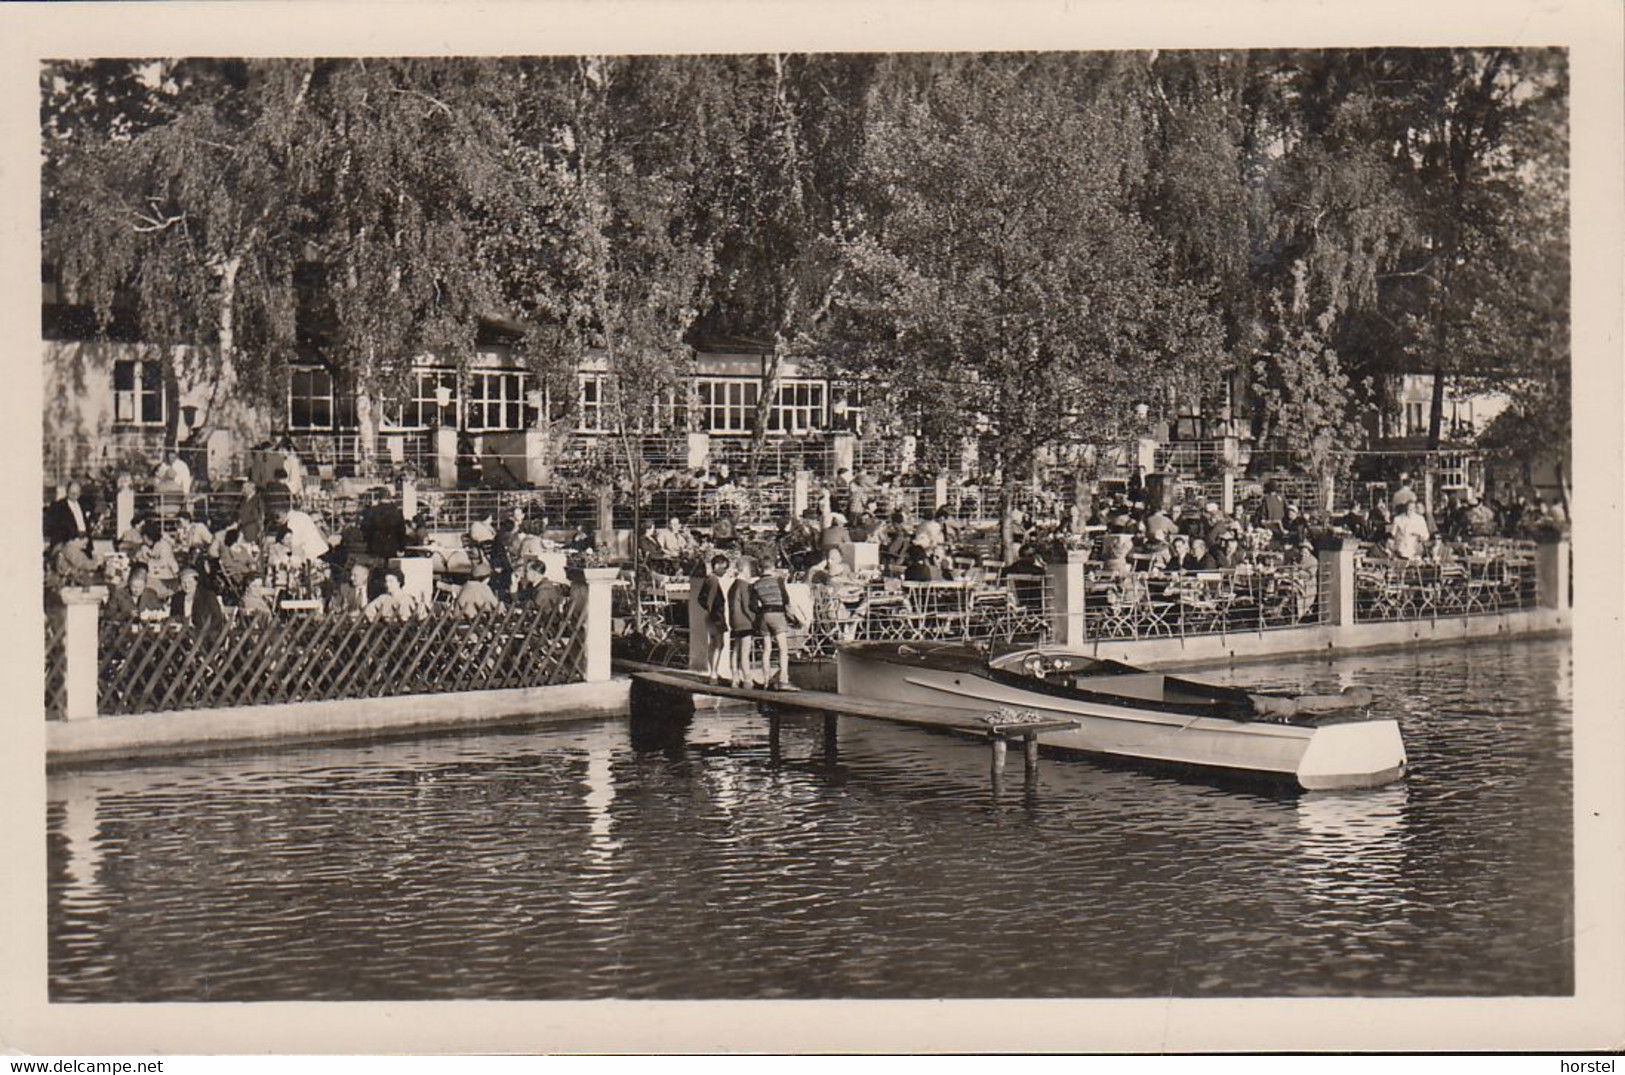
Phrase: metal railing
(1482, 577)
(1246, 599)
(1014, 609)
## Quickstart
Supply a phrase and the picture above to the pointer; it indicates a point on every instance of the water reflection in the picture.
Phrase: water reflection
(613, 861)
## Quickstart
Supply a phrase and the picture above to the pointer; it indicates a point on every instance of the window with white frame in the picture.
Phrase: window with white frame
(799, 407)
(669, 413)
(592, 416)
(433, 401)
(138, 393)
(728, 404)
(495, 400)
(311, 398)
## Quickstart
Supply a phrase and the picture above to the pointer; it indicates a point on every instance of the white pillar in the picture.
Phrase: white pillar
(81, 619)
(699, 451)
(124, 511)
(799, 490)
(445, 452)
(1552, 573)
(1227, 491)
(1065, 579)
(845, 450)
(1337, 562)
(939, 492)
(409, 499)
(590, 589)
(909, 449)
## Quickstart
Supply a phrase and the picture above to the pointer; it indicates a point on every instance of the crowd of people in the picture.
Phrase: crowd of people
(274, 555)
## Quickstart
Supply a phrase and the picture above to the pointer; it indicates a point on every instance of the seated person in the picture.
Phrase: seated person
(725, 531)
(237, 555)
(354, 594)
(835, 534)
(196, 605)
(136, 599)
(258, 602)
(475, 597)
(163, 566)
(1116, 553)
(536, 590)
(73, 564)
(395, 603)
(674, 541)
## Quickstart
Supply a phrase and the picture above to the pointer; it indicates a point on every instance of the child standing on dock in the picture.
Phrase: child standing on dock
(742, 625)
(713, 601)
(771, 600)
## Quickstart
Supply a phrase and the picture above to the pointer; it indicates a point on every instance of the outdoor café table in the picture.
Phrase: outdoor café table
(300, 605)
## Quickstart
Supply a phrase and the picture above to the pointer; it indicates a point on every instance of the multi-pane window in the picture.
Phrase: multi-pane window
(424, 407)
(593, 417)
(496, 400)
(310, 398)
(670, 412)
(138, 393)
(799, 407)
(728, 404)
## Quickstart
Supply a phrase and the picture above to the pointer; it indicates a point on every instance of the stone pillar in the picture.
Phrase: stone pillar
(1336, 583)
(846, 451)
(800, 487)
(907, 452)
(409, 499)
(445, 456)
(939, 491)
(590, 588)
(81, 621)
(220, 450)
(1552, 573)
(1227, 491)
(699, 452)
(1065, 579)
(123, 511)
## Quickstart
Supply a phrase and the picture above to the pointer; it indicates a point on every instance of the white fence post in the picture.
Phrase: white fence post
(1065, 578)
(591, 588)
(845, 448)
(1552, 573)
(445, 452)
(800, 489)
(81, 674)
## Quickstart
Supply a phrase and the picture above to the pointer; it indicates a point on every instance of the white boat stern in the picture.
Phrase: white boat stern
(1361, 754)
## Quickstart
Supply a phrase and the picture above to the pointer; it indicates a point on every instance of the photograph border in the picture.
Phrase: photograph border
(1594, 1018)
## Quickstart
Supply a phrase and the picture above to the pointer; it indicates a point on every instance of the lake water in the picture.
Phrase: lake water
(572, 863)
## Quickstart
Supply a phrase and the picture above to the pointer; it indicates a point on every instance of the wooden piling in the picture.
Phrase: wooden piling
(830, 743)
(1029, 749)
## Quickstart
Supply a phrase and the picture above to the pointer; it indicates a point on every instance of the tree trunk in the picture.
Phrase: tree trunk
(1436, 411)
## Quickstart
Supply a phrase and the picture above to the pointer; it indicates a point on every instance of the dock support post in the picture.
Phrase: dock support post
(999, 749)
(830, 741)
(774, 756)
(1029, 751)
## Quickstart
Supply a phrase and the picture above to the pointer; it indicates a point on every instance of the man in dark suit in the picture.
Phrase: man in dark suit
(65, 519)
(196, 605)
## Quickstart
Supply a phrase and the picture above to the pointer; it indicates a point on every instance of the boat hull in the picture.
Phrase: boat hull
(1348, 754)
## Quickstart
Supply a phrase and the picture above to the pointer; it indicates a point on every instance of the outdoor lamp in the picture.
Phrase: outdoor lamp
(1142, 411)
(442, 395)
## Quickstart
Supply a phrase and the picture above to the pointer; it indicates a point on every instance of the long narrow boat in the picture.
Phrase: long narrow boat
(1316, 741)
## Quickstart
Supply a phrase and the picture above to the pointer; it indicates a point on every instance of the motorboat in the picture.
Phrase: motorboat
(1317, 741)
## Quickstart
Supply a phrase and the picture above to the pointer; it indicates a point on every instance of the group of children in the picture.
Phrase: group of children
(741, 605)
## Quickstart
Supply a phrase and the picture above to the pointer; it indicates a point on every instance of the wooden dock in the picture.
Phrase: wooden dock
(647, 679)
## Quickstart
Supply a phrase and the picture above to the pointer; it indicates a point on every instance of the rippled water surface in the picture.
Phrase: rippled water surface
(574, 863)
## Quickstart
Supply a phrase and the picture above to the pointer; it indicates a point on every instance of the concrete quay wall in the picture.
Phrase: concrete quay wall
(1210, 650)
(208, 731)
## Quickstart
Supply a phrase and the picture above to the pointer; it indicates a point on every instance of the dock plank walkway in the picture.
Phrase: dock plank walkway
(833, 706)
(955, 720)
